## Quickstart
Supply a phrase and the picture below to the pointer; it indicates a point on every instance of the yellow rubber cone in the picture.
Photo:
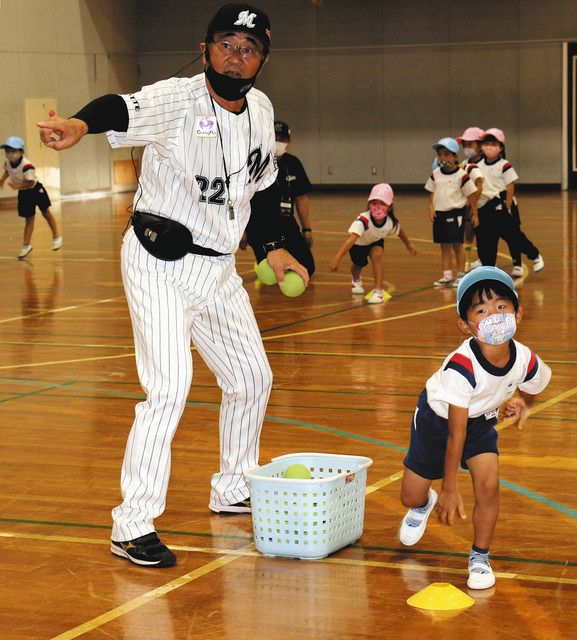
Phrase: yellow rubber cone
(440, 596)
(386, 295)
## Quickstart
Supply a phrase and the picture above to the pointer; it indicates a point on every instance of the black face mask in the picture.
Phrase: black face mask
(228, 88)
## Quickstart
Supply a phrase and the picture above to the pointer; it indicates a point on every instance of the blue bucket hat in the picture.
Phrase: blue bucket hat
(447, 143)
(14, 142)
(484, 273)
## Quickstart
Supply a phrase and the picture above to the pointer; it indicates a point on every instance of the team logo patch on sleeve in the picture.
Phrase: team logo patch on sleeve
(464, 366)
(532, 368)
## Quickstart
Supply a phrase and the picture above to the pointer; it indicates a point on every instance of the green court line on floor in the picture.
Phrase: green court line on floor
(376, 548)
(35, 393)
(339, 311)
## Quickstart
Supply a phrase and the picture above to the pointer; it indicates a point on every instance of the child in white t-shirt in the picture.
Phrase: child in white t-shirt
(31, 193)
(454, 422)
(366, 240)
(450, 188)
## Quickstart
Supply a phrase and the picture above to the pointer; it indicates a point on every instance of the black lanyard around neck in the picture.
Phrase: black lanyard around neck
(228, 176)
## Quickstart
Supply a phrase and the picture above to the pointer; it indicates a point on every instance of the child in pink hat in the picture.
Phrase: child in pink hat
(470, 141)
(366, 241)
(498, 211)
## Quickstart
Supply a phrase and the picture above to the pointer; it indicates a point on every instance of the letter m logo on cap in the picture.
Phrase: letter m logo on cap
(246, 19)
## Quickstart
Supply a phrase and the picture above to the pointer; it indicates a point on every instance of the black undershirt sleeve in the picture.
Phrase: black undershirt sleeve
(265, 215)
(105, 113)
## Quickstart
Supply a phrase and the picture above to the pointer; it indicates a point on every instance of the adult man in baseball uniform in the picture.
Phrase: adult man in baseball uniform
(208, 158)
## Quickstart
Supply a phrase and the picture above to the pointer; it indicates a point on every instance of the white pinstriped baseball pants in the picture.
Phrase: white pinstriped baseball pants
(201, 299)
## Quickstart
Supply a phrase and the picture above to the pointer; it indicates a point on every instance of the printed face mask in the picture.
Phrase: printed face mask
(378, 210)
(496, 328)
(469, 152)
(281, 148)
(445, 164)
(491, 151)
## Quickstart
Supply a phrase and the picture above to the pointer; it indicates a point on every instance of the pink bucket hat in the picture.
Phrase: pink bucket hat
(472, 134)
(496, 133)
(382, 192)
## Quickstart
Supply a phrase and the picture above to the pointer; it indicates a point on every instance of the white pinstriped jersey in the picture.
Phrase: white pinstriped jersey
(497, 176)
(467, 379)
(183, 176)
(368, 231)
(23, 172)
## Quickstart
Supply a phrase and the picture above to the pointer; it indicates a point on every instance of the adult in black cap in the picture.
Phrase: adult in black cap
(208, 159)
(294, 186)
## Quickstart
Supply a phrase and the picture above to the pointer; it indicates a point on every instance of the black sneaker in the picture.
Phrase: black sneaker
(146, 551)
(239, 507)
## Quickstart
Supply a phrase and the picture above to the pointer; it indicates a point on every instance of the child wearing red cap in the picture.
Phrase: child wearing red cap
(366, 240)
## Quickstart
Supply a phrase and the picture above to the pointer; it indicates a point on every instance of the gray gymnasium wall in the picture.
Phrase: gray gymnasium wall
(73, 51)
(368, 86)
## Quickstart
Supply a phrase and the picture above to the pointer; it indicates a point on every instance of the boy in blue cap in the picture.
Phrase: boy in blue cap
(450, 190)
(31, 193)
(454, 422)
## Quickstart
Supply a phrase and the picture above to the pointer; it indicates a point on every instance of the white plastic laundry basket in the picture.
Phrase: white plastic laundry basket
(308, 519)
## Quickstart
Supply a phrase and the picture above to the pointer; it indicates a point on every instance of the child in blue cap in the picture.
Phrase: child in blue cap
(31, 193)
(454, 422)
(451, 189)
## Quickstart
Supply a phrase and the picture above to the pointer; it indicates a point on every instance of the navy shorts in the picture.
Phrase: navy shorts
(360, 253)
(429, 432)
(449, 226)
(29, 199)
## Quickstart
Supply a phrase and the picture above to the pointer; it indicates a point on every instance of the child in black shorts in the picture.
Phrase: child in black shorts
(31, 193)
(454, 422)
(450, 188)
(366, 241)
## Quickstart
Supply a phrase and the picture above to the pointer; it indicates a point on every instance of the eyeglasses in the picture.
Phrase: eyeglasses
(226, 48)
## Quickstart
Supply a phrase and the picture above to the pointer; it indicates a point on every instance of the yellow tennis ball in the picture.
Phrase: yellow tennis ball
(265, 273)
(293, 284)
(297, 472)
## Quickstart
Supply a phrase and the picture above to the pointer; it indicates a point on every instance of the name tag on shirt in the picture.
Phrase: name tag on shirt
(492, 414)
(205, 126)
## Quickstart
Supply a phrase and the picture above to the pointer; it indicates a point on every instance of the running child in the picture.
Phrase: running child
(31, 193)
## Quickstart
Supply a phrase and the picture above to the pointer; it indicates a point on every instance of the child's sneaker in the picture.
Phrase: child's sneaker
(26, 249)
(357, 286)
(475, 265)
(517, 271)
(376, 297)
(56, 243)
(456, 281)
(415, 521)
(442, 282)
(538, 264)
(481, 575)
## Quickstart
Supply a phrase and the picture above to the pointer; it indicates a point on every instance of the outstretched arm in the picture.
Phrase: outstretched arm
(410, 246)
(347, 244)
(106, 113)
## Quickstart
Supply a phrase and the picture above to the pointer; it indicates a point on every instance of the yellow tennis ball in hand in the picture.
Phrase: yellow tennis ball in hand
(297, 472)
(293, 284)
(265, 273)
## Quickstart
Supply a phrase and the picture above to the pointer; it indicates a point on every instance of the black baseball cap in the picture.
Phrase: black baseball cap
(281, 130)
(241, 17)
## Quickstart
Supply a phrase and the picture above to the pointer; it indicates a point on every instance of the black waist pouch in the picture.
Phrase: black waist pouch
(166, 239)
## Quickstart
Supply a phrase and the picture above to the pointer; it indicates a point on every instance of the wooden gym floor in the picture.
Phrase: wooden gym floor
(347, 376)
